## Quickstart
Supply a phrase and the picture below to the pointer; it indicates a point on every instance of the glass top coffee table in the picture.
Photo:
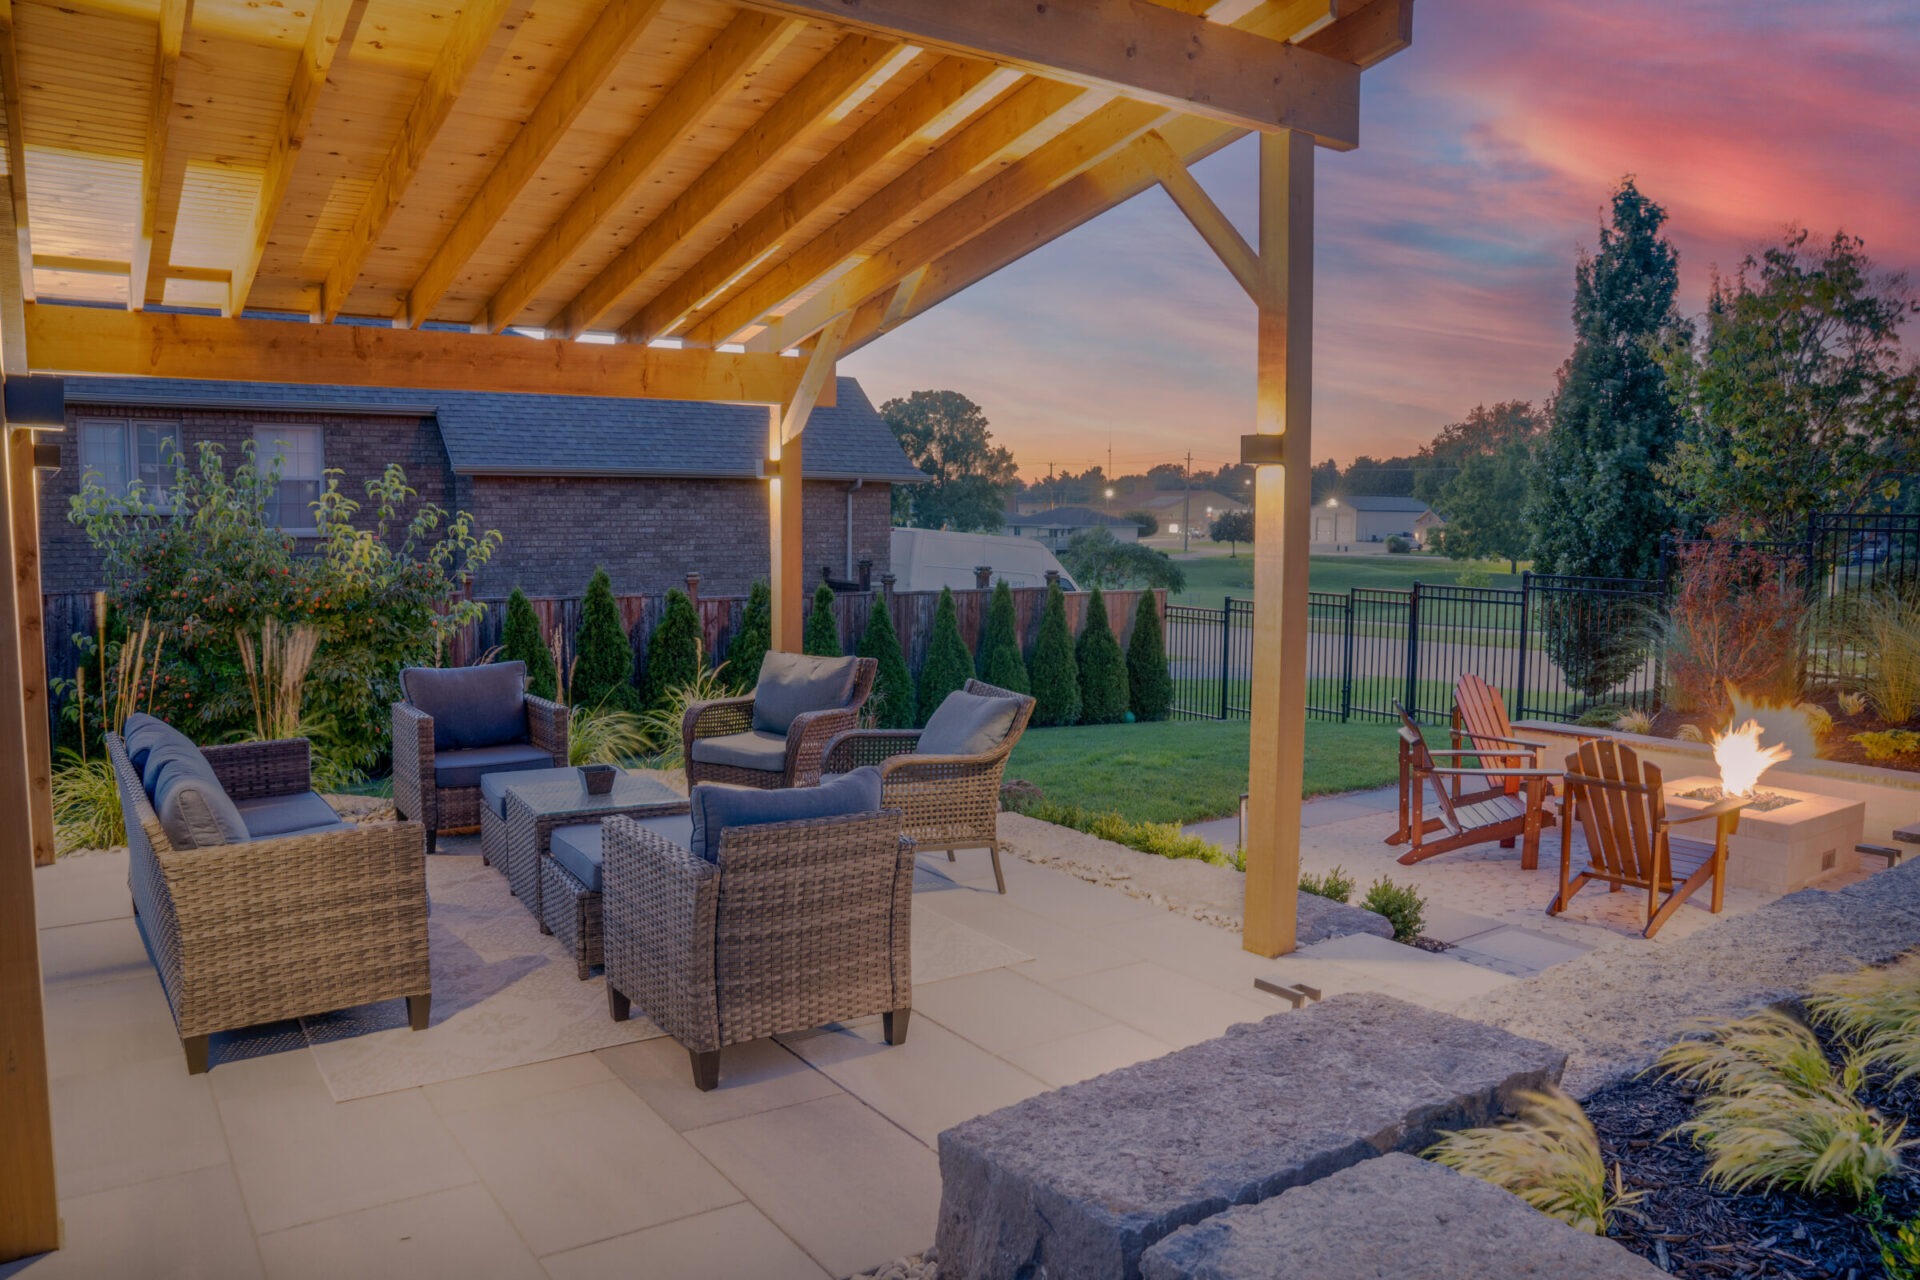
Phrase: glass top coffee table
(551, 798)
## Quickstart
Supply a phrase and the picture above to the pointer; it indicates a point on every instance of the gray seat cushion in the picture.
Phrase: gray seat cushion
(193, 808)
(966, 724)
(754, 749)
(270, 816)
(577, 848)
(493, 786)
(716, 807)
(484, 706)
(465, 768)
(792, 684)
(142, 733)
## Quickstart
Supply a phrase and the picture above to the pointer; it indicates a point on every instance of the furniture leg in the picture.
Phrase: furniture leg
(196, 1050)
(894, 1024)
(999, 877)
(420, 1010)
(433, 839)
(618, 1006)
(706, 1069)
(953, 855)
(1530, 845)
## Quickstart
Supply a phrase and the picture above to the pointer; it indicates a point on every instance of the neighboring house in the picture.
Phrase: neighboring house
(1345, 521)
(1174, 507)
(1425, 524)
(1056, 528)
(651, 490)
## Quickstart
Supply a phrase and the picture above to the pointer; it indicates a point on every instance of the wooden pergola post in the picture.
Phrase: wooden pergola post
(33, 645)
(786, 496)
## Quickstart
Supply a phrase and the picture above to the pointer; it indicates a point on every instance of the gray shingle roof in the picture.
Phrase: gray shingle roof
(1365, 503)
(489, 433)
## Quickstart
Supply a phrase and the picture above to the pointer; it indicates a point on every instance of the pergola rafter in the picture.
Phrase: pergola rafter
(380, 189)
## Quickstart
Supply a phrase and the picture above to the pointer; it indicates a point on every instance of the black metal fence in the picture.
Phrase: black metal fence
(1848, 559)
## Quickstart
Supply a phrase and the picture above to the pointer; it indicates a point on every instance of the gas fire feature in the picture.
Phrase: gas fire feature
(1782, 848)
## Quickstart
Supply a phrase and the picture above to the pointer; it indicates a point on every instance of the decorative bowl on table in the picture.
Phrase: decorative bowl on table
(598, 778)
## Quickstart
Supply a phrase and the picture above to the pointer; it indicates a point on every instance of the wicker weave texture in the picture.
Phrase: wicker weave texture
(571, 912)
(530, 827)
(807, 739)
(457, 808)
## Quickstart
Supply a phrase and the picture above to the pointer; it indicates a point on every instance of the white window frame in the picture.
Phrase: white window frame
(310, 467)
(157, 492)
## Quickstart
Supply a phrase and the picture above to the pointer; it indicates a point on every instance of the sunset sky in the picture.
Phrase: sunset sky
(1447, 242)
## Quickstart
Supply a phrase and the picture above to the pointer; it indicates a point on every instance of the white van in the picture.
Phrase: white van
(929, 559)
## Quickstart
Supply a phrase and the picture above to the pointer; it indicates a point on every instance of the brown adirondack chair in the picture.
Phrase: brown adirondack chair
(1480, 721)
(1622, 811)
(1488, 812)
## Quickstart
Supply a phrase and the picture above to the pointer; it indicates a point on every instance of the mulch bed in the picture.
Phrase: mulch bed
(1690, 1229)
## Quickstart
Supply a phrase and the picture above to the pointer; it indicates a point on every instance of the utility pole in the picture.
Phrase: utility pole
(1186, 507)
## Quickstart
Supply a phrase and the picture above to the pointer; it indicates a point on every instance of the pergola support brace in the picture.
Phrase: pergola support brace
(786, 491)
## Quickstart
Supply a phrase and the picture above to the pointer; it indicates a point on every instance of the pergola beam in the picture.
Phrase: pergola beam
(20, 230)
(174, 17)
(786, 490)
(89, 340)
(747, 41)
(606, 42)
(466, 48)
(1139, 50)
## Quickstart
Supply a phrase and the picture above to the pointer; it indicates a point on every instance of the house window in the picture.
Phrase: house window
(115, 453)
(297, 450)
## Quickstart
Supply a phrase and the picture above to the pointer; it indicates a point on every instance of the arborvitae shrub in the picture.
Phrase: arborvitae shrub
(1054, 674)
(1103, 668)
(949, 666)
(521, 641)
(1149, 686)
(822, 636)
(1000, 660)
(603, 656)
(673, 651)
(749, 645)
(892, 700)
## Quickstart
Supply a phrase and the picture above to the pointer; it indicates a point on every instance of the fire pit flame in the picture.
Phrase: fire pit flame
(1742, 759)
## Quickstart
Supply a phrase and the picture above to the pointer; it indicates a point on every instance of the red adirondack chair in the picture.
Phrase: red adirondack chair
(1489, 812)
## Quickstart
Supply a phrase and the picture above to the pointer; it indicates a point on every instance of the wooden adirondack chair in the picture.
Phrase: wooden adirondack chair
(1480, 721)
(1489, 812)
(1622, 811)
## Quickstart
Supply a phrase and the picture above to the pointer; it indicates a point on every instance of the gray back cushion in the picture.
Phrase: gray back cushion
(792, 684)
(143, 733)
(190, 802)
(717, 807)
(966, 724)
(483, 706)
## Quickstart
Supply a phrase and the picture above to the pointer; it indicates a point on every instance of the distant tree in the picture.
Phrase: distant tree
(750, 643)
(1368, 476)
(1054, 673)
(673, 651)
(603, 656)
(1594, 504)
(821, 637)
(1232, 528)
(521, 641)
(1326, 480)
(1797, 394)
(1000, 660)
(946, 436)
(1148, 522)
(949, 665)
(1103, 668)
(892, 701)
(1096, 559)
(1149, 684)
(1479, 483)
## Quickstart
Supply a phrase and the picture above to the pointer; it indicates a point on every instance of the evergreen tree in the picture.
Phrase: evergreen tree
(1054, 674)
(1000, 660)
(521, 641)
(603, 657)
(1149, 685)
(948, 664)
(822, 635)
(673, 651)
(1594, 503)
(1103, 668)
(748, 648)
(892, 700)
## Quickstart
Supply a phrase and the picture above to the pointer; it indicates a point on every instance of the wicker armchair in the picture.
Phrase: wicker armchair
(275, 928)
(807, 739)
(796, 925)
(416, 793)
(950, 802)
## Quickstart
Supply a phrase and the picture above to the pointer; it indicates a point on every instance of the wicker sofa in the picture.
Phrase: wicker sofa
(736, 740)
(459, 724)
(791, 925)
(316, 918)
(951, 801)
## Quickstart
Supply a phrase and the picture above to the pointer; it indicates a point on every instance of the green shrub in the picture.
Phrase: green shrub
(892, 701)
(1878, 1011)
(1103, 668)
(603, 735)
(1888, 744)
(603, 656)
(1403, 906)
(1399, 546)
(948, 666)
(1165, 839)
(749, 646)
(673, 651)
(661, 725)
(1900, 1252)
(86, 805)
(822, 635)
(1335, 884)
(1549, 1157)
(1054, 674)
(1000, 660)
(1601, 716)
(1149, 685)
(521, 641)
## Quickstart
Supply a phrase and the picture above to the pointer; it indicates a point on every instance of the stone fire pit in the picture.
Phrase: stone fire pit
(1783, 849)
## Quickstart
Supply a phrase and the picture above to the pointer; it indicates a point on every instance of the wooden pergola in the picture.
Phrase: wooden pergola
(691, 199)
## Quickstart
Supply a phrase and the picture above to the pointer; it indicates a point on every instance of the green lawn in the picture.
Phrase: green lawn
(1212, 578)
(1188, 770)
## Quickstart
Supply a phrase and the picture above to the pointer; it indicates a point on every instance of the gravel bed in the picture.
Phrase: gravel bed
(915, 1266)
